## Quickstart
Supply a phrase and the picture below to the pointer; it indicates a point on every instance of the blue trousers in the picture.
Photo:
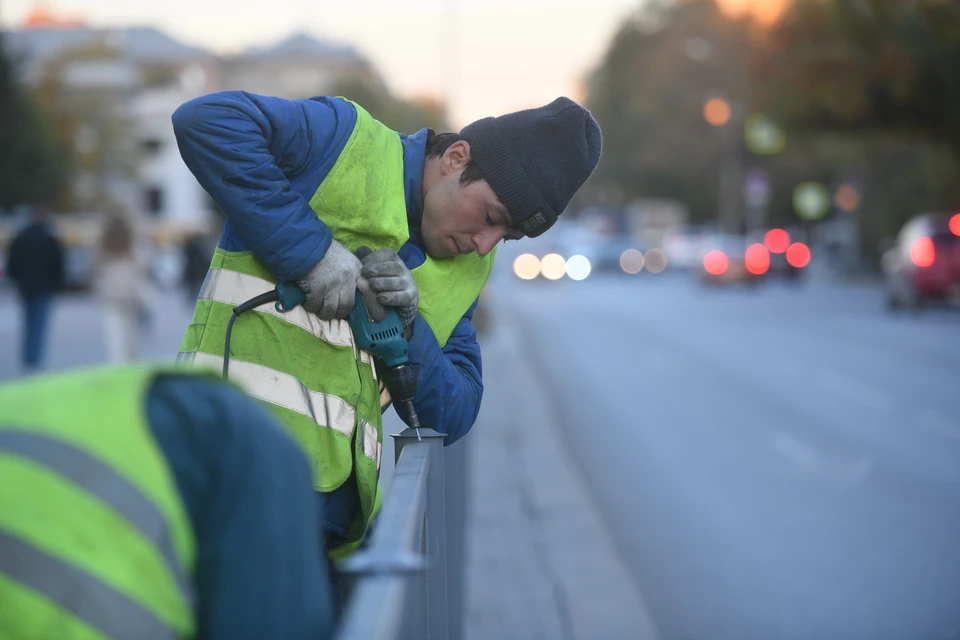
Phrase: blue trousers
(36, 314)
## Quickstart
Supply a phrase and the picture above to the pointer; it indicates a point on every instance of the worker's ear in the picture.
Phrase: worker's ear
(455, 157)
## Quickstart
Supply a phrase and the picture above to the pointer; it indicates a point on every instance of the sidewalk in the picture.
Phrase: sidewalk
(75, 337)
(539, 562)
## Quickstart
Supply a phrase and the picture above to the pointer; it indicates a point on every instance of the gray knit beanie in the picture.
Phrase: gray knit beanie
(536, 160)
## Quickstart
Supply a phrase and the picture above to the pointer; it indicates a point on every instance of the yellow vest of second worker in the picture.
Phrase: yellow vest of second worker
(310, 371)
(95, 541)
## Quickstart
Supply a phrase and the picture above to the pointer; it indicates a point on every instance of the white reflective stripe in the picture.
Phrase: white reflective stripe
(366, 358)
(230, 287)
(281, 389)
(372, 446)
(385, 398)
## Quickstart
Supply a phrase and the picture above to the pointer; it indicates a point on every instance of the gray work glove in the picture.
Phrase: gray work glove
(393, 283)
(331, 286)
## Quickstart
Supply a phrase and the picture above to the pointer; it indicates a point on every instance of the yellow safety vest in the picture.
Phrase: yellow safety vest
(310, 371)
(95, 542)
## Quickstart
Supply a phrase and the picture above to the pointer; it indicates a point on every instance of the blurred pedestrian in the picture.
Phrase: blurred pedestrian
(121, 284)
(144, 503)
(36, 265)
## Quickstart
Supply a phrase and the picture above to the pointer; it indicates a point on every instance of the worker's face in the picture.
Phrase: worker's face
(460, 219)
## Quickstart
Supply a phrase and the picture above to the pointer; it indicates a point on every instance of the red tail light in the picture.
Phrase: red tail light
(757, 259)
(715, 262)
(777, 240)
(922, 252)
(798, 255)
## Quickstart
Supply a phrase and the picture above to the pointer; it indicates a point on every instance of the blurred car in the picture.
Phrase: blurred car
(923, 265)
(729, 258)
(681, 249)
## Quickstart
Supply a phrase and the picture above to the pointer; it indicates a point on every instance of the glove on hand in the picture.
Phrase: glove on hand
(331, 286)
(393, 283)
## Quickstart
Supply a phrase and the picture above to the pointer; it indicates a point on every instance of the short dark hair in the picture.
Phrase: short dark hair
(437, 145)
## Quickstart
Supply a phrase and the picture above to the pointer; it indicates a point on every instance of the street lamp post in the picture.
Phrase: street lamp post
(723, 115)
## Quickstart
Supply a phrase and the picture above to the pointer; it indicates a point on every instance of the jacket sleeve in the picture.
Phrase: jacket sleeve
(450, 380)
(248, 150)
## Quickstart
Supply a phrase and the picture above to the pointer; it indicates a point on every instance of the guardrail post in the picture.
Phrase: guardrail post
(431, 598)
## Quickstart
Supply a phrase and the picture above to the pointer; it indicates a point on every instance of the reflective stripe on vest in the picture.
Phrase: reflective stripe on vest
(83, 595)
(88, 486)
(284, 390)
(101, 606)
(233, 288)
(84, 470)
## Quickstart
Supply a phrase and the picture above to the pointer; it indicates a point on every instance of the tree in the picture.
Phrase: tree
(874, 85)
(866, 65)
(33, 167)
(648, 95)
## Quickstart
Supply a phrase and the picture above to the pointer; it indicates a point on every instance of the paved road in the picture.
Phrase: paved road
(773, 464)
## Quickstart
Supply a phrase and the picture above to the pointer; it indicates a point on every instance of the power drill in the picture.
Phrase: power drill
(385, 340)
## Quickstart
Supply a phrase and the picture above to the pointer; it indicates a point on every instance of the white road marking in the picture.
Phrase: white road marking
(796, 451)
(847, 473)
(937, 423)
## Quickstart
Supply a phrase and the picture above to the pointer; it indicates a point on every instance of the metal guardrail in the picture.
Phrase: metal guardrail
(398, 583)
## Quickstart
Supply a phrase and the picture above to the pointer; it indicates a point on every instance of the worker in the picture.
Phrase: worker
(138, 503)
(304, 184)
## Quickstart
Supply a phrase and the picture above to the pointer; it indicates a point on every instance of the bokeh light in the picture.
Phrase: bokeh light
(631, 261)
(717, 112)
(955, 224)
(578, 267)
(715, 262)
(776, 240)
(655, 260)
(757, 259)
(553, 266)
(798, 255)
(847, 198)
(922, 252)
(526, 266)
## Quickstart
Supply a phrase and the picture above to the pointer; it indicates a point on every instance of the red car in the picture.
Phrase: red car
(924, 263)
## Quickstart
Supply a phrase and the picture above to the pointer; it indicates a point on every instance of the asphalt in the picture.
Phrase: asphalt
(775, 463)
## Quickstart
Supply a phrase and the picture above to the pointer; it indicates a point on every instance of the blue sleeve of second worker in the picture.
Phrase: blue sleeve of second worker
(261, 571)
(450, 379)
(261, 159)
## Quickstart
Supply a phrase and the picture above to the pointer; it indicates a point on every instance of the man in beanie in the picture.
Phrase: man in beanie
(303, 185)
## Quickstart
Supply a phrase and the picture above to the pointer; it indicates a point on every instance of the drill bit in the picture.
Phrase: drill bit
(414, 420)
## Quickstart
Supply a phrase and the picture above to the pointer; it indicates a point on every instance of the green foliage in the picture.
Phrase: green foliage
(866, 65)
(867, 90)
(33, 168)
(648, 96)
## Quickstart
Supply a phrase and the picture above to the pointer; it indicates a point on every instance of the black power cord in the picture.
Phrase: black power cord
(252, 303)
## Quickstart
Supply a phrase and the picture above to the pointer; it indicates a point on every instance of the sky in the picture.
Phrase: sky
(484, 57)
